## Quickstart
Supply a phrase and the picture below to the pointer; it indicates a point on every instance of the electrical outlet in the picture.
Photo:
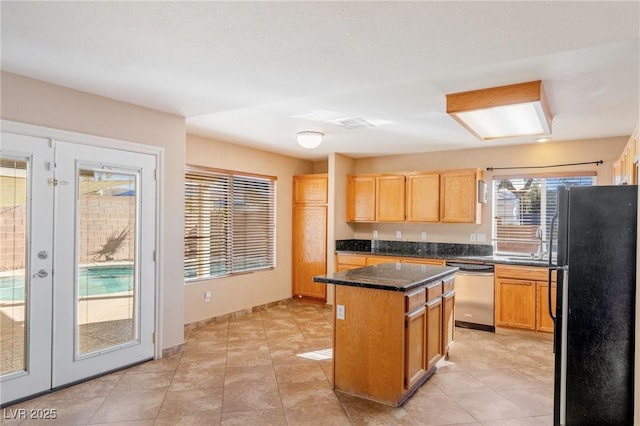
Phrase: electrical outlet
(473, 237)
(398, 234)
(482, 237)
(340, 312)
(375, 234)
(423, 236)
(207, 296)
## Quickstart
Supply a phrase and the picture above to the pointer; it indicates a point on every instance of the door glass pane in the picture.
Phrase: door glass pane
(13, 259)
(107, 284)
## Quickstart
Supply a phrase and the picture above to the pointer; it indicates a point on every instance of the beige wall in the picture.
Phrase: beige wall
(241, 292)
(35, 102)
(606, 150)
(339, 166)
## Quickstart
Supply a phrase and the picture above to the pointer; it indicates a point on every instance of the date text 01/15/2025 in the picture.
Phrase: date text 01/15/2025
(33, 413)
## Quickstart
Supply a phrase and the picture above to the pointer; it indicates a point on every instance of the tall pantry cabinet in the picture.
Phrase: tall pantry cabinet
(309, 235)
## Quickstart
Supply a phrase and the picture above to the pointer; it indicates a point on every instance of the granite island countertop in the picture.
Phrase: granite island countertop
(388, 276)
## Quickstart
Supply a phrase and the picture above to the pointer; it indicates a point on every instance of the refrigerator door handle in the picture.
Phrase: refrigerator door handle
(553, 225)
(549, 296)
(549, 280)
(552, 267)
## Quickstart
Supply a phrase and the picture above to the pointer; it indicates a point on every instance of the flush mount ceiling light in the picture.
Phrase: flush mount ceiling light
(309, 139)
(502, 112)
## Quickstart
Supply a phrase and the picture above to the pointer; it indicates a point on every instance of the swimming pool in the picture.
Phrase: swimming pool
(92, 281)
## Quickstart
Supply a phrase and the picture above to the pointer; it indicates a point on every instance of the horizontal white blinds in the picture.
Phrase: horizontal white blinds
(229, 223)
(523, 208)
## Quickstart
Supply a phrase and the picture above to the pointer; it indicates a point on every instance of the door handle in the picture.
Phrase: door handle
(41, 274)
(562, 269)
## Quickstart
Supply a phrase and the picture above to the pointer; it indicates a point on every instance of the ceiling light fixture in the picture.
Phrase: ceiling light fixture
(309, 139)
(543, 140)
(502, 112)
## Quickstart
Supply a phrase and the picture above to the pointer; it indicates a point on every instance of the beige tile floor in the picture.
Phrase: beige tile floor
(245, 371)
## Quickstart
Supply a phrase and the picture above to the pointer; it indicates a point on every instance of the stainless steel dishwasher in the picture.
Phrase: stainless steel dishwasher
(474, 303)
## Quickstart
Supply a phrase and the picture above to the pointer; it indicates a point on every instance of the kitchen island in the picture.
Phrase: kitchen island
(392, 323)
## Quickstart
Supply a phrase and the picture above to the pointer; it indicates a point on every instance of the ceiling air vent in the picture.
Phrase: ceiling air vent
(352, 123)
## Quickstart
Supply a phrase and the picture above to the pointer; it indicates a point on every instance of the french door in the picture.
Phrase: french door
(77, 271)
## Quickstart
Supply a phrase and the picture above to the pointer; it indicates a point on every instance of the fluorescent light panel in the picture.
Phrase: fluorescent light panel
(502, 112)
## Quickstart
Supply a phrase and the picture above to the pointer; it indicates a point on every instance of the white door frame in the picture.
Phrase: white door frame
(104, 142)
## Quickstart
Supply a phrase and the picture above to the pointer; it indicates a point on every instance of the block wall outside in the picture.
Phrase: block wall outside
(102, 217)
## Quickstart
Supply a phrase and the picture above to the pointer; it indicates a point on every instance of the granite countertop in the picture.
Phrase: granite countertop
(388, 276)
(479, 253)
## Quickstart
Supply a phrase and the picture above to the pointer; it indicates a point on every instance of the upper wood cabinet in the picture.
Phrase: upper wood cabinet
(390, 190)
(310, 189)
(423, 197)
(361, 198)
(375, 198)
(437, 196)
(625, 169)
(459, 196)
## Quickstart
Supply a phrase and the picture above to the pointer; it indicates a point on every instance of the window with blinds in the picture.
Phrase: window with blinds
(229, 223)
(523, 207)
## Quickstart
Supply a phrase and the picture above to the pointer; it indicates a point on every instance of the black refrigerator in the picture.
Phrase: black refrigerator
(594, 327)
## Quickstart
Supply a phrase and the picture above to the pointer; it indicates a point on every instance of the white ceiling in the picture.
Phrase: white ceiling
(240, 71)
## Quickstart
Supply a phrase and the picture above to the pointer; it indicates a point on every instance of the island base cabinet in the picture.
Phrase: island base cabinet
(369, 344)
(387, 343)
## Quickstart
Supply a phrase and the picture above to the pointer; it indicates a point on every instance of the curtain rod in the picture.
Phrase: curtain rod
(597, 163)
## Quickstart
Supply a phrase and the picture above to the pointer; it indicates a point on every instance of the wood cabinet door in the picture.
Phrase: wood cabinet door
(310, 189)
(434, 331)
(448, 323)
(361, 198)
(309, 250)
(390, 198)
(423, 197)
(516, 303)
(414, 352)
(543, 319)
(458, 196)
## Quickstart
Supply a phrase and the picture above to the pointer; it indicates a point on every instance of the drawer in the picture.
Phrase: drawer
(415, 299)
(348, 259)
(522, 272)
(434, 290)
(448, 285)
(376, 260)
(437, 262)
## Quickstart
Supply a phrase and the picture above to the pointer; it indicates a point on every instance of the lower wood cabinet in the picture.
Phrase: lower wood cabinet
(438, 262)
(522, 300)
(346, 262)
(515, 303)
(543, 319)
(309, 250)
(375, 260)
